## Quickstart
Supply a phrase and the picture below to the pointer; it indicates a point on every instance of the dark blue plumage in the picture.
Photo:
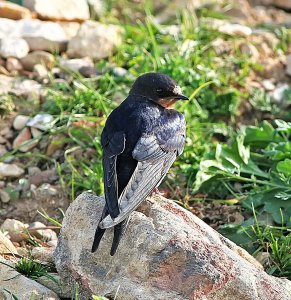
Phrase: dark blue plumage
(140, 141)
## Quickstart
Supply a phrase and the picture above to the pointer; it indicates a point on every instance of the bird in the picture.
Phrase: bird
(140, 141)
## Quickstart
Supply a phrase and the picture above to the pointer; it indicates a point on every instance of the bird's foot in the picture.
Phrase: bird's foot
(156, 191)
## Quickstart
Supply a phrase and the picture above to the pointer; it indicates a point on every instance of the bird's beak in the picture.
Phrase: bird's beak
(181, 97)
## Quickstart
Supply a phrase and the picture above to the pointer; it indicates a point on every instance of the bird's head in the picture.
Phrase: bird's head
(158, 88)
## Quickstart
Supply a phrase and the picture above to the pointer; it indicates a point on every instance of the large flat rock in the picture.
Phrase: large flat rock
(166, 253)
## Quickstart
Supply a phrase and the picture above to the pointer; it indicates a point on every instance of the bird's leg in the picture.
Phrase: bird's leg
(155, 191)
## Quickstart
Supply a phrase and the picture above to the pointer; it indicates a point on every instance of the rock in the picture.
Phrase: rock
(15, 229)
(70, 28)
(20, 122)
(89, 72)
(10, 170)
(4, 196)
(13, 64)
(3, 150)
(62, 290)
(47, 176)
(52, 243)
(6, 245)
(37, 57)
(15, 47)
(278, 93)
(91, 36)
(23, 142)
(45, 234)
(5, 84)
(249, 50)
(263, 258)
(76, 64)
(166, 253)
(41, 121)
(47, 36)
(268, 85)
(221, 46)
(3, 71)
(57, 143)
(65, 10)
(288, 65)
(22, 287)
(119, 72)
(27, 88)
(272, 68)
(43, 254)
(285, 4)
(13, 11)
(40, 72)
(97, 8)
(235, 29)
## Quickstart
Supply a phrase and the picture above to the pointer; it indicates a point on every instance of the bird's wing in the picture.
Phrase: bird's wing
(112, 147)
(155, 156)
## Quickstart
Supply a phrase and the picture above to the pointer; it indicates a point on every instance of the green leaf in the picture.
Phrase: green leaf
(284, 167)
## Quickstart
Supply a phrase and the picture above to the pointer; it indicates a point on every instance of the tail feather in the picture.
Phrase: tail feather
(99, 232)
(119, 231)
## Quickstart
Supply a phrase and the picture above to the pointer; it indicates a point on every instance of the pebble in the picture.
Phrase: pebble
(6, 245)
(13, 64)
(14, 47)
(23, 141)
(35, 132)
(119, 72)
(38, 57)
(278, 93)
(40, 72)
(47, 176)
(4, 196)
(250, 50)
(15, 230)
(235, 29)
(44, 234)
(3, 150)
(43, 254)
(20, 122)
(288, 65)
(10, 170)
(268, 85)
(76, 64)
(41, 121)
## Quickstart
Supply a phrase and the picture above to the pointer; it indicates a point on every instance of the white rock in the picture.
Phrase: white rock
(41, 121)
(10, 170)
(13, 65)
(288, 65)
(95, 40)
(9, 28)
(40, 72)
(14, 47)
(15, 229)
(166, 253)
(97, 7)
(66, 10)
(76, 64)
(118, 71)
(235, 29)
(20, 122)
(43, 254)
(6, 245)
(21, 287)
(268, 85)
(46, 234)
(4, 196)
(26, 88)
(5, 84)
(71, 28)
(278, 93)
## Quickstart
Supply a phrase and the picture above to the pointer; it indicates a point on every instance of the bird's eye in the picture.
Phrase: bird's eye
(159, 91)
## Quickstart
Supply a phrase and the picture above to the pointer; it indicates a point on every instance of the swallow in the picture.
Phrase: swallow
(141, 139)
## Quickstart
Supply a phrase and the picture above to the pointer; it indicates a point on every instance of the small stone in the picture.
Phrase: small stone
(10, 170)
(15, 229)
(3, 150)
(288, 65)
(35, 132)
(52, 243)
(89, 38)
(40, 72)
(15, 47)
(20, 122)
(97, 7)
(235, 29)
(4, 196)
(23, 251)
(220, 46)
(71, 28)
(13, 64)
(278, 93)
(119, 72)
(33, 170)
(89, 72)
(76, 64)
(13, 11)
(2, 184)
(263, 257)
(3, 71)
(41, 121)
(2, 140)
(47, 176)
(47, 189)
(27, 88)
(272, 68)
(65, 10)
(6, 245)
(57, 143)
(22, 141)
(43, 254)
(268, 85)
(45, 234)
(23, 185)
(250, 50)
(37, 57)
(5, 84)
